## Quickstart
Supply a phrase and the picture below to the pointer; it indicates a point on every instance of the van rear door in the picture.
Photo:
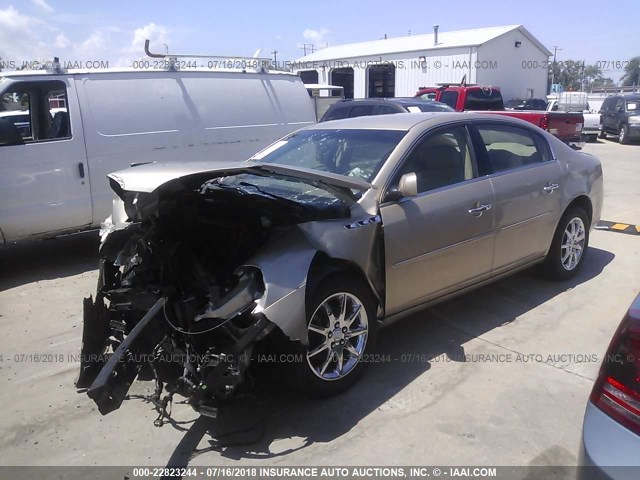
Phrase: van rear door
(44, 183)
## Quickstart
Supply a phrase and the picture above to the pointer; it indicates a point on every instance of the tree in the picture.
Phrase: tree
(632, 72)
(568, 73)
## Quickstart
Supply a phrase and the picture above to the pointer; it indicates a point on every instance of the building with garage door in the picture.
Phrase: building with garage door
(507, 57)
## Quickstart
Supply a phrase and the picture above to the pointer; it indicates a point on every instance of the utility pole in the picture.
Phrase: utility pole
(304, 47)
(275, 57)
(553, 67)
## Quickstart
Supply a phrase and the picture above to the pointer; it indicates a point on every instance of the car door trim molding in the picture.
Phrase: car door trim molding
(522, 222)
(423, 256)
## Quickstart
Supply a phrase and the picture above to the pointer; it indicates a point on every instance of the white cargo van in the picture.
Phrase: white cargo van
(82, 125)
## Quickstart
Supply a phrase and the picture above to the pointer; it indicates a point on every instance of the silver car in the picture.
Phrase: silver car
(317, 241)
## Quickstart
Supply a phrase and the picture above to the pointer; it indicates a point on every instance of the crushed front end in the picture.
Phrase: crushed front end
(176, 300)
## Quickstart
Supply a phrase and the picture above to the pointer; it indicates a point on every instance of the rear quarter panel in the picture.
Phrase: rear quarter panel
(582, 175)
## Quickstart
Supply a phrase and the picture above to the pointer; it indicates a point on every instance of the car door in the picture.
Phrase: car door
(44, 185)
(442, 238)
(527, 183)
(608, 114)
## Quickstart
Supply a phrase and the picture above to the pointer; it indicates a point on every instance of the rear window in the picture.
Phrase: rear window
(361, 111)
(484, 99)
(336, 113)
(450, 98)
(632, 105)
(431, 107)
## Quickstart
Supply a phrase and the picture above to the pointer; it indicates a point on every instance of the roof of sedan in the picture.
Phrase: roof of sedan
(406, 121)
(396, 121)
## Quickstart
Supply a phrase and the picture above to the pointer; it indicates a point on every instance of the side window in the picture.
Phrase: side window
(450, 98)
(34, 112)
(619, 105)
(508, 147)
(336, 114)
(384, 110)
(15, 118)
(361, 110)
(442, 158)
(60, 126)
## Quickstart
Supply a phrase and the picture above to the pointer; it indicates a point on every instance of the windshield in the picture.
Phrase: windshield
(358, 153)
(284, 189)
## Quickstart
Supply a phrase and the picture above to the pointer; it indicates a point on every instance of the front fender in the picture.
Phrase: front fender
(285, 263)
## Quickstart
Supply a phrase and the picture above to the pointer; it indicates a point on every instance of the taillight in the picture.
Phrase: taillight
(617, 389)
(544, 122)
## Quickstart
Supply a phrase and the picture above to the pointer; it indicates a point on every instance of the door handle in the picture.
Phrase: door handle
(551, 187)
(479, 210)
(81, 169)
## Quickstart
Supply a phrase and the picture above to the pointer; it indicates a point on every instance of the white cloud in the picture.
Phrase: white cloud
(316, 37)
(61, 41)
(19, 40)
(43, 5)
(92, 48)
(158, 37)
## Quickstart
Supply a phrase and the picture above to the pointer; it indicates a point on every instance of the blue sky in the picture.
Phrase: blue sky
(115, 30)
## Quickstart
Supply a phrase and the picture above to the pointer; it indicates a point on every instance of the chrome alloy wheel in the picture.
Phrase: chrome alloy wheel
(572, 246)
(338, 332)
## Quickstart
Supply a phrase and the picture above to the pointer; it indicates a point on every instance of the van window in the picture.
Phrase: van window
(34, 112)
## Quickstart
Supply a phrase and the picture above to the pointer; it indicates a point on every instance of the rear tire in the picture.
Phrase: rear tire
(602, 134)
(623, 135)
(569, 245)
(342, 327)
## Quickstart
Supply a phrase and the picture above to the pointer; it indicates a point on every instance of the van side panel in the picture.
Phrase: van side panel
(139, 117)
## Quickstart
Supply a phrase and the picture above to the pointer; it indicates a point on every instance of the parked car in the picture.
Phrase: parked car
(53, 172)
(611, 430)
(464, 97)
(349, 108)
(620, 115)
(319, 239)
(526, 104)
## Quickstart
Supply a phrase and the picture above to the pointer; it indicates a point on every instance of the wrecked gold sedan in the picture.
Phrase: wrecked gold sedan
(317, 241)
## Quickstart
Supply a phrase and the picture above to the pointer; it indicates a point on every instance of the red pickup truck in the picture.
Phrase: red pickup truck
(564, 125)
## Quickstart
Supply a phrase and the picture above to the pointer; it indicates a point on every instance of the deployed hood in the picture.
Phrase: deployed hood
(147, 178)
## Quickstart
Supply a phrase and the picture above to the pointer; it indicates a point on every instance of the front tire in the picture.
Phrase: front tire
(342, 327)
(569, 245)
(602, 134)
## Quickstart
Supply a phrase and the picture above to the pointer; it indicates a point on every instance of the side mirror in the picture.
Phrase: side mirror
(408, 185)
